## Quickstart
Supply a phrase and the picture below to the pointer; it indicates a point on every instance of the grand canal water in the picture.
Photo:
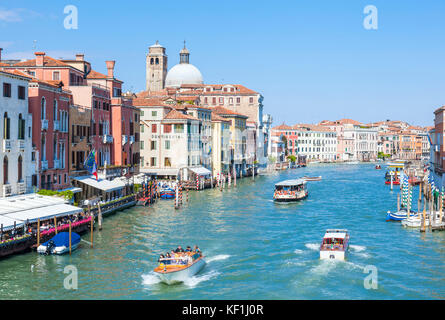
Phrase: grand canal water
(255, 249)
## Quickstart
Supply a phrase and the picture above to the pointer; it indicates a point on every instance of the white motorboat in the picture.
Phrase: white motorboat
(59, 244)
(290, 190)
(179, 269)
(416, 221)
(335, 244)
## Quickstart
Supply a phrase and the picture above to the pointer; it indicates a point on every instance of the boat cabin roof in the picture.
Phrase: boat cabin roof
(289, 183)
(336, 233)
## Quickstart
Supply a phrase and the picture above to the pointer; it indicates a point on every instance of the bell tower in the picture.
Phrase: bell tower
(156, 68)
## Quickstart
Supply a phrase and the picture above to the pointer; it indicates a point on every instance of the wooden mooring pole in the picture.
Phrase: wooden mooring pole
(91, 228)
(38, 232)
(70, 235)
(55, 223)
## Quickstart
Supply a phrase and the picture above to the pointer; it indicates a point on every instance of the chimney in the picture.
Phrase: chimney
(1, 49)
(39, 58)
(110, 68)
(79, 57)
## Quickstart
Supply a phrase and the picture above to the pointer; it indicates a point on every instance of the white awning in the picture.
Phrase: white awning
(161, 171)
(201, 171)
(102, 184)
(73, 189)
(43, 213)
(9, 223)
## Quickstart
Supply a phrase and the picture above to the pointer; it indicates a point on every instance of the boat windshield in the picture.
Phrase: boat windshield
(332, 243)
(299, 187)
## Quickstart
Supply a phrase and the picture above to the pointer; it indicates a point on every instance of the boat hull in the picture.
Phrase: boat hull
(181, 275)
(399, 216)
(290, 198)
(333, 254)
(57, 250)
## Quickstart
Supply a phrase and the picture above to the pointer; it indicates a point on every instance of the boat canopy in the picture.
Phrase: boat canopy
(336, 233)
(290, 183)
(63, 239)
(201, 171)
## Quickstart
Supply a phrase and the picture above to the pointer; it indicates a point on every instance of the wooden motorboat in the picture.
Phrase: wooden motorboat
(180, 268)
(312, 178)
(290, 190)
(335, 244)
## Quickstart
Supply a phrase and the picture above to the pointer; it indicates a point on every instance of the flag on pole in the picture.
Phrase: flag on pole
(90, 163)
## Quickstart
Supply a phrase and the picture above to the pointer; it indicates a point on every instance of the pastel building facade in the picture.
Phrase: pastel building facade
(16, 127)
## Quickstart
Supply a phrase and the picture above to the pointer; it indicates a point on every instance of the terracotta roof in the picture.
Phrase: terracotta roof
(47, 62)
(174, 114)
(96, 75)
(216, 117)
(349, 121)
(18, 73)
(224, 111)
(282, 127)
(149, 102)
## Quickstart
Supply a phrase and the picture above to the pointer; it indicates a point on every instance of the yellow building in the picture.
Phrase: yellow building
(220, 144)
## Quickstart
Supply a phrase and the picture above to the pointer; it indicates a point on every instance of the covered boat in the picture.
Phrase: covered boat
(290, 190)
(167, 193)
(59, 244)
(335, 244)
(180, 268)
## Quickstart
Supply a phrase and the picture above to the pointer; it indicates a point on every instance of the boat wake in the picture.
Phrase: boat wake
(150, 279)
(196, 279)
(312, 246)
(218, 257)
(298, 251)
(359, 250)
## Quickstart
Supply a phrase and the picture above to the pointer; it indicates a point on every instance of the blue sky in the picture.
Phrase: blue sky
(311, 60)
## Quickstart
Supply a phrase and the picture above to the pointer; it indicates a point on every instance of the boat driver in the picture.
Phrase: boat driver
(179, 250)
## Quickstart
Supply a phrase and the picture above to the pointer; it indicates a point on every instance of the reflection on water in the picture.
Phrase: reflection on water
(255, 248)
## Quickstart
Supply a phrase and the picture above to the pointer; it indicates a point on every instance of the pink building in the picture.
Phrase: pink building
(49, 105)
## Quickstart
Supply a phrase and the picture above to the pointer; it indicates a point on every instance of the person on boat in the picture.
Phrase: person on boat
(161, 257)
(179, 250)
(167, 255)
(188, 249)
(196, 249)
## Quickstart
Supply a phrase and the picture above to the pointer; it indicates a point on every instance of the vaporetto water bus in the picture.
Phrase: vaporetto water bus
(180, 268)
(290, 190)
(335, 244)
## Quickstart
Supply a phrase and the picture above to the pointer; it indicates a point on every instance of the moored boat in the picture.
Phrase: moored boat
(290, 190)
(312, 178)
(180, 268)
(399, 215)
(335, 244)
(167, 193)
(59, 244)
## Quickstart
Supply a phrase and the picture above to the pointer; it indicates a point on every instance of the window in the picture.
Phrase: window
(205, 100)
(251, 100)
(153, 128)
(153, 161)
(20, 169)
(6, 127)
(142, 113)
(5, 170)
(21, 92)
(167, 144)
(221, 100)
(152, 145)
(238, 100)
(213, 100)
(142, 145)
(179, 128)
(167, 162)
(154, 113)
(21, 126)
(142, 128)
(56, 75)
(7, 90)
(167, 128)
(230, 100)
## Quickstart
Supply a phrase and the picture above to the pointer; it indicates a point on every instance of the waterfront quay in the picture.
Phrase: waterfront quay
(254, 247)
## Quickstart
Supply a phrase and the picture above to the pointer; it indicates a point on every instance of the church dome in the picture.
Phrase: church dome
(183, 73)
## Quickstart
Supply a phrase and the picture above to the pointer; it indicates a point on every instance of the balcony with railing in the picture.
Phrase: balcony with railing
(107, 138)
(124, 139)
(132, 139)
(21, 188)
(7, 190)
(6, 145)
(44, 165)
(56, 125)
(44, 124)
(21, 144)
